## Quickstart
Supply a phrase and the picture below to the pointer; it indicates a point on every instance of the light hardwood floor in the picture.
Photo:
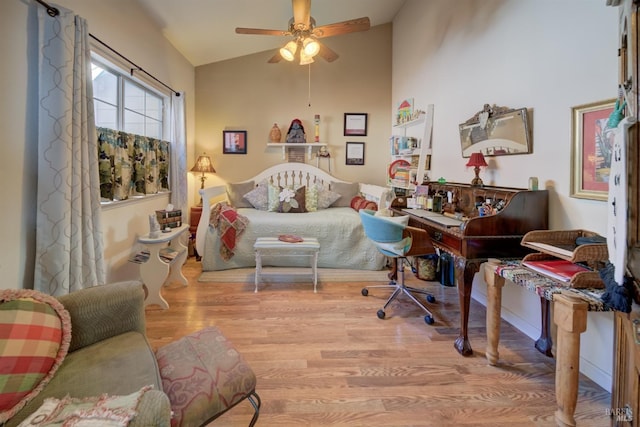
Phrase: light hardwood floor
(325, 359)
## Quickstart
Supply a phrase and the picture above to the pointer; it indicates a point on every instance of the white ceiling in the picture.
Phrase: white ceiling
(204, 30)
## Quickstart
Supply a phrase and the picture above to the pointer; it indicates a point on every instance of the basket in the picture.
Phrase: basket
(582, 280)
(424, 267)
(562, 244)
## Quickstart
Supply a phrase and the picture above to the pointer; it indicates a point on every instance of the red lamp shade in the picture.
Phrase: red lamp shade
(477, 159)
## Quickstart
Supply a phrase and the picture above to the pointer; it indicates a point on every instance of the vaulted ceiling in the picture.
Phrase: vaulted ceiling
(204, 30)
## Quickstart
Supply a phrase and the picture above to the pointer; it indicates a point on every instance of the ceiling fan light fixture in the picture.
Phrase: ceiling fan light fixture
(288, 52)
(304, 58)
(310, 46)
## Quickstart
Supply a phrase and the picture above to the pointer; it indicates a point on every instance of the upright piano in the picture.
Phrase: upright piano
(473, 224)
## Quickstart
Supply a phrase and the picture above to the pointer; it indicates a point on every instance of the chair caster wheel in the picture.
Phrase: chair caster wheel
(428, 320)
(431, 299)
(365, 292)
(381, 314)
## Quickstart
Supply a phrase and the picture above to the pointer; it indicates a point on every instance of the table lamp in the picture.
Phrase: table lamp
(477, 160)
(203, 165)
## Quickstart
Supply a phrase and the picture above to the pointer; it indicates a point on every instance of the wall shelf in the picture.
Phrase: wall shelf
(285, 146)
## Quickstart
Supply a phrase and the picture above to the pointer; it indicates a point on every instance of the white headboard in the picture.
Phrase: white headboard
(284, 174)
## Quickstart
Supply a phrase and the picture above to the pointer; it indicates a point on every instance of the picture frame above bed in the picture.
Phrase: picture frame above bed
(355, 124)
(234, 142)
(355, 153)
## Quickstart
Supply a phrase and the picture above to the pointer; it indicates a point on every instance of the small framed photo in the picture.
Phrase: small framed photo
(355, 153)
(355, 124)
(591, 150)
(234, 142)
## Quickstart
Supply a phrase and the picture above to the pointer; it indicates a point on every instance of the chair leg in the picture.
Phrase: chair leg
(255, 401)
(400, 288)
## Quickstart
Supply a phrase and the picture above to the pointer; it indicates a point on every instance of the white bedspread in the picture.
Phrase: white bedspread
(343, 243)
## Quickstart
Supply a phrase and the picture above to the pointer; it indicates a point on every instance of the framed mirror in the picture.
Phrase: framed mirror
(496, 131)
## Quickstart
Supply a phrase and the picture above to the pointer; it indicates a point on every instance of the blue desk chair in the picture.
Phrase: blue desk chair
(395, 239)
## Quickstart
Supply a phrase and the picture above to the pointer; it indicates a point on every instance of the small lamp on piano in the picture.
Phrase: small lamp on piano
(203, 165)
(477, 160)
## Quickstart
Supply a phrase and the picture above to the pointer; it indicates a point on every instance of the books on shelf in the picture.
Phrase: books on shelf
(171, 219)
(558, 269)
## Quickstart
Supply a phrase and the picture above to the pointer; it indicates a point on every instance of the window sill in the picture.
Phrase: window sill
(132, 201)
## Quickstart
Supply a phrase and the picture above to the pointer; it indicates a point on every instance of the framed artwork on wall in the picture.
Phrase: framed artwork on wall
(234, 142)
(355, 124)
(355, 153)
(591, 150)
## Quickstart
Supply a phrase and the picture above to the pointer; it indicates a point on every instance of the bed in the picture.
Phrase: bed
(343, 243)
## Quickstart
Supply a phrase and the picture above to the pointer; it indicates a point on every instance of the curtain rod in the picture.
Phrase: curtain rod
(53, 12)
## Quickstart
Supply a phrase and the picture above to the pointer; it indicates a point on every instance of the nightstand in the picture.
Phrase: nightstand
(194, 219)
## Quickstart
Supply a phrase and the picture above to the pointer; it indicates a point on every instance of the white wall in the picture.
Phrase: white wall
(125, 26)
(546, 55)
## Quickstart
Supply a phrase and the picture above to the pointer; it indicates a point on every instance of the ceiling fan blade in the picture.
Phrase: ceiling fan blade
(326, 53)
(301, 13)
(262, 32)
(350, 26)
(275, 58)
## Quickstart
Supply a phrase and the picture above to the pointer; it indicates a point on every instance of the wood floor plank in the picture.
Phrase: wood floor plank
(325, 359)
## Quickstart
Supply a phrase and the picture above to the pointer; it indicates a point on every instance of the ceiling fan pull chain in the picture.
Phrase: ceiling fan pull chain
(309, 95)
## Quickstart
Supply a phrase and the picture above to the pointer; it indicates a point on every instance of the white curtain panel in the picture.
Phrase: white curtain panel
(178, 157)
(69, 248)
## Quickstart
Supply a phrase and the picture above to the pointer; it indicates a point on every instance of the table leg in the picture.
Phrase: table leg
(570, 315)
(464, 272)
(154, 273)
(315, 271)
(495, 283)
(258, 268)
(175, 271)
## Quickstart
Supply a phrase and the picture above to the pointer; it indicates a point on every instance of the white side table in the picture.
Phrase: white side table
(157, 272)
(272, 246)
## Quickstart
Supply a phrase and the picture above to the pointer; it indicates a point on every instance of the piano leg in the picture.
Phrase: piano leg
(544, 344)
(465, 270)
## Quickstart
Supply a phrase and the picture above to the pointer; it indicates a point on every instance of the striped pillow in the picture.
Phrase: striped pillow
(35, 331)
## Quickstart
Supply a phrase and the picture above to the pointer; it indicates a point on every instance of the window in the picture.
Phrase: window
(122, 104)
(130, 116)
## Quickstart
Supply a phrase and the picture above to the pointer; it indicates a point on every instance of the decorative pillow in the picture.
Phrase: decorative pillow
(292, 201)
(327, 198)
(347, 191)
(236, 192)
(311, 198)
(258, 197)
(400, 219)
(360, 202)
(104, 410)
(35, 332)
(273, 197)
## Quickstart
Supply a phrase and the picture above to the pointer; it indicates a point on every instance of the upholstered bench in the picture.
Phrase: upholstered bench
(204, 376)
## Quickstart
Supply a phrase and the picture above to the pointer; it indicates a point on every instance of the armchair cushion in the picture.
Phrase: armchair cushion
(35, 331)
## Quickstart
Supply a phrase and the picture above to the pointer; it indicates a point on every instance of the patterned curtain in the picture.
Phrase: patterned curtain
(69, 248)
(131, 165)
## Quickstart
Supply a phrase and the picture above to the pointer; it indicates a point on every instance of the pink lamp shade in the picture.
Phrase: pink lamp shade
(476, 160)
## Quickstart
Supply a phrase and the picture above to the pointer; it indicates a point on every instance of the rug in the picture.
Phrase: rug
(292, 275)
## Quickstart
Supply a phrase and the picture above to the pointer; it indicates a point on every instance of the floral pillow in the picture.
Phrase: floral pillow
(285, 199)
(35, 340)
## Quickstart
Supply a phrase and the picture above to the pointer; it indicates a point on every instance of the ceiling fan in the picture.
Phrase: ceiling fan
(302, 27)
